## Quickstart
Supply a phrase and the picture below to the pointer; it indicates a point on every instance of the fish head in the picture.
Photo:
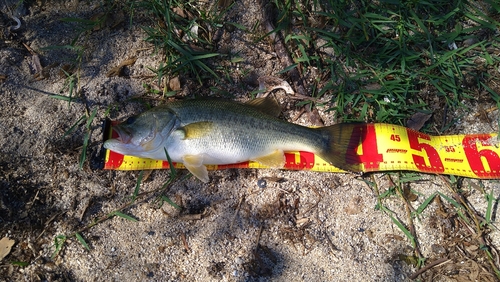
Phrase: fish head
(144, 135)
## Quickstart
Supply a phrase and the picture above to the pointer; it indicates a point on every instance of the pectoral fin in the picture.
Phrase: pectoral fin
(197, 129)
(275, 159)
(194, 163)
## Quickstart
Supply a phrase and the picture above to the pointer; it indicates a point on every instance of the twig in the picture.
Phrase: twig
(408, 209)
(429, 266)
(236, 212)
(185, 243)
(332, 245)
(258, 239)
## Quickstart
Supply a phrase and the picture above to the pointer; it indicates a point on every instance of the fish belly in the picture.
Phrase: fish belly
(219, 150)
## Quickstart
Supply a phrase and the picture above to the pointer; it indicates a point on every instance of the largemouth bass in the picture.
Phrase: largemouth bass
(212, 131)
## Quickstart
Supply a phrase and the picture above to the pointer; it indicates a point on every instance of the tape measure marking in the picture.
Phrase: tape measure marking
(376, 147)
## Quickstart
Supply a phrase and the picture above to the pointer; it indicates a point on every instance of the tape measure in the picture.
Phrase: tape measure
(373, 147)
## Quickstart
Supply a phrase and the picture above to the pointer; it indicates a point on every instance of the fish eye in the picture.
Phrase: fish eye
(130, 120)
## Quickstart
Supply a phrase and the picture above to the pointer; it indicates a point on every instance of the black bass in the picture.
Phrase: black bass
(212, 131)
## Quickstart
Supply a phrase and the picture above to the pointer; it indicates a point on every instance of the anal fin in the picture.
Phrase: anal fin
(194, 163)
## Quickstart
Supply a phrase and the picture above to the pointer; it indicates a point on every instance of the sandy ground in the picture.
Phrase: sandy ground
(306, 227)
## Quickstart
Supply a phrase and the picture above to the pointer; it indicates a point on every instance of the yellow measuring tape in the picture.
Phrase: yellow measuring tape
(375, 147)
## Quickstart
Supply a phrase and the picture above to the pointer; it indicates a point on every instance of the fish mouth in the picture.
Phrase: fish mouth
(120, 142)
(123, 140)
(123, 136)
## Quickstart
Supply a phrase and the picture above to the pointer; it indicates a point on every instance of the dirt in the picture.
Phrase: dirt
(306, 226)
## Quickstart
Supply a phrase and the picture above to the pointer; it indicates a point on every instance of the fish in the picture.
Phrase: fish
(200, 132)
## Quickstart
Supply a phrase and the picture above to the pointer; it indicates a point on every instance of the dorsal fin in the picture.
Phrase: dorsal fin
(267, 105)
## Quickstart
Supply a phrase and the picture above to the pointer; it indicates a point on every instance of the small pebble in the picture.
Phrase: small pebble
(262, 183)
(238, 260)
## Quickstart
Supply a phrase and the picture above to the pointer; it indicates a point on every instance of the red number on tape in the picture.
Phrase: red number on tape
(474, 156)
(365, 135)
(436, 165)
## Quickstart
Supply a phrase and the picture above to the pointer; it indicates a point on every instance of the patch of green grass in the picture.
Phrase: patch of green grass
(389, 59)
(183, 32)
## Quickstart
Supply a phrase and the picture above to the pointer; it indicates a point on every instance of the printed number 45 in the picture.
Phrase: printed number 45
(395, 137)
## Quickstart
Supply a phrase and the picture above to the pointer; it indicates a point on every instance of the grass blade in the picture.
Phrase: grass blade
(62, 97)
(291, 67)
(122, 215)
(20, 263)
(489, 209)
(170, 202)
(173, 171)
(91, 118)
(82, 241)
(86, 138)
(83, 155)
(137, 186)
(404, 229)
(58, 243)
(427, 201)
(73, 127)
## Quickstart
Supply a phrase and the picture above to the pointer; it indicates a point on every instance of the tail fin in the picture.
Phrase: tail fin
(344, 139)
